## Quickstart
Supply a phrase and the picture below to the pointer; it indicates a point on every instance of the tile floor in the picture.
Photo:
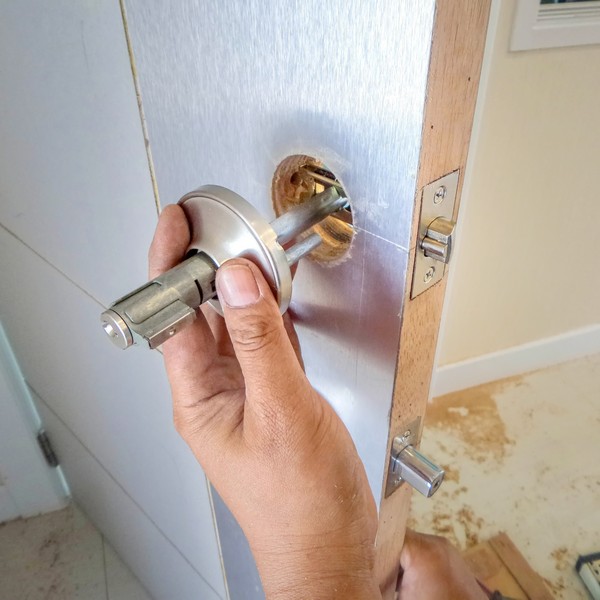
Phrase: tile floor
(522, 456)
(62, 556)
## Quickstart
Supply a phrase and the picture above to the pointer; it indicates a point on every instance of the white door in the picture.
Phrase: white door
(236, 94)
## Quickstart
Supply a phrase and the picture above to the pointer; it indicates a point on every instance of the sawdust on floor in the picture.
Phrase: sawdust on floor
(451, 474)
(510, 467)
(472, 415)
(561, 558)
(557, 586)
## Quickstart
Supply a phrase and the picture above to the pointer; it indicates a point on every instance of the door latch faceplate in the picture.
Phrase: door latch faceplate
(436, 229)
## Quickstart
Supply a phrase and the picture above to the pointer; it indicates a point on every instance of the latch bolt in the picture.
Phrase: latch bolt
(437, 243)
(418, 471)
(408, 465)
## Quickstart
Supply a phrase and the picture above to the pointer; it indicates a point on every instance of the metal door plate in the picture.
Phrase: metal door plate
(408, 435)
(438, 200)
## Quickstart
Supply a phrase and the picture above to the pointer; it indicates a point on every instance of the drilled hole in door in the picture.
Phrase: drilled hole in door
(298, 178)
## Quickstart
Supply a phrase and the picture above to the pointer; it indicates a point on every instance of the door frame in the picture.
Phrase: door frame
(458, 43)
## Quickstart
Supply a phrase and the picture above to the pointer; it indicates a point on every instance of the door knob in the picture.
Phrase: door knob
(223, 226)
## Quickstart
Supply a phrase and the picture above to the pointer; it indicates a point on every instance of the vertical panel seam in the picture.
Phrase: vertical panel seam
(138, 97)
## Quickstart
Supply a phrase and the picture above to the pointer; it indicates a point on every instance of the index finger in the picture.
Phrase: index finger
(189, 354)
(170, 242)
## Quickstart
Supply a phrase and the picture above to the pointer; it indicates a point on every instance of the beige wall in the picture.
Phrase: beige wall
(527, 264)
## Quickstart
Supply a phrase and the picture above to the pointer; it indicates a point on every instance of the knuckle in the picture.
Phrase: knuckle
(198, 416)
(255, 334)
(185, 419)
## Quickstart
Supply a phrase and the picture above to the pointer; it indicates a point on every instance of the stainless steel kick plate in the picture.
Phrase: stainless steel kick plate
(438, 201)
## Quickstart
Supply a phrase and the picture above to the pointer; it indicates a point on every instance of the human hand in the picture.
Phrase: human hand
(273, 448)
(434, 570)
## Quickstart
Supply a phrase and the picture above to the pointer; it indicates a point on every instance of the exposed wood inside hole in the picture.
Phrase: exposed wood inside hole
(298, 178)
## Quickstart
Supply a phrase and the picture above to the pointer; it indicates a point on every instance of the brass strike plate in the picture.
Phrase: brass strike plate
(438, 199)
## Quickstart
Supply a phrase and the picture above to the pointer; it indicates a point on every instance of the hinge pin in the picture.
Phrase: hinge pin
(46, 447)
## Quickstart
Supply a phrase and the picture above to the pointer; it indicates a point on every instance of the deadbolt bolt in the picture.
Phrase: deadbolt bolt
(408, 465)
(417, 470)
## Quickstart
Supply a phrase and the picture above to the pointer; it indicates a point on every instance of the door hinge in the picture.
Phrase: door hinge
(46, 447)
(436, 231)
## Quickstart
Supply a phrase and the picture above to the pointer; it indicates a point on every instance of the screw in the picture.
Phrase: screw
(439, 195)
(406, 433)
(429, 274)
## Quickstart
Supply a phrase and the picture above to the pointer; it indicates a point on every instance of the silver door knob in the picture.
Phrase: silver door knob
(223, 226)
(417, 470)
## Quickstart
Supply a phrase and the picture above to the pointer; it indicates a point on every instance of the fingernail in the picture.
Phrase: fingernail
(237, 287)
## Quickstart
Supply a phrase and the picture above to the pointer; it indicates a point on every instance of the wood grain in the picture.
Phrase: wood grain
(456, 56)
(492, 572)
(519, 568)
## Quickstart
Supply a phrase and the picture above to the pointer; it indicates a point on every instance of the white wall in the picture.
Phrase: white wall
(525, 270)
(77, 212)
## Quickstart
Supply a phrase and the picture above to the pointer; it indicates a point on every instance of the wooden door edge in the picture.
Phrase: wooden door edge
(458, 41)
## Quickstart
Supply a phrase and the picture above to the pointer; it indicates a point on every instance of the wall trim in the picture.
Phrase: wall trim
(516, 360)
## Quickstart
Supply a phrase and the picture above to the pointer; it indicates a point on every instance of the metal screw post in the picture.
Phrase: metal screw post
(429, 274)
(439, 195)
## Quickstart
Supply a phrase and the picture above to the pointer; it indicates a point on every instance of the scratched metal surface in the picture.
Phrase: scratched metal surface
(230, 89)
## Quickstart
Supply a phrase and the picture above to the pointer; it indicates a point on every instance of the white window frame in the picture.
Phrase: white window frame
(539, 25)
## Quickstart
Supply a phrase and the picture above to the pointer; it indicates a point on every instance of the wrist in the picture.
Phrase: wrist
(338, 588)
(317, 585)
(318, 571)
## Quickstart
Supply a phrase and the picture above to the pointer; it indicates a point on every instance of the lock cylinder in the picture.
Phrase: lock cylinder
(223, 226)
(161, 307)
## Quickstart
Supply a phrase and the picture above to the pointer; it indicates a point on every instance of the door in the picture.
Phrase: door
(381, 95)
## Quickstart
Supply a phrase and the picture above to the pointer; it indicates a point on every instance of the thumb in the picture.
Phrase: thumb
(262, 346)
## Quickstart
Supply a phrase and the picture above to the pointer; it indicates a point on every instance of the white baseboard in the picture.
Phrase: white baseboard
(516, 360)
